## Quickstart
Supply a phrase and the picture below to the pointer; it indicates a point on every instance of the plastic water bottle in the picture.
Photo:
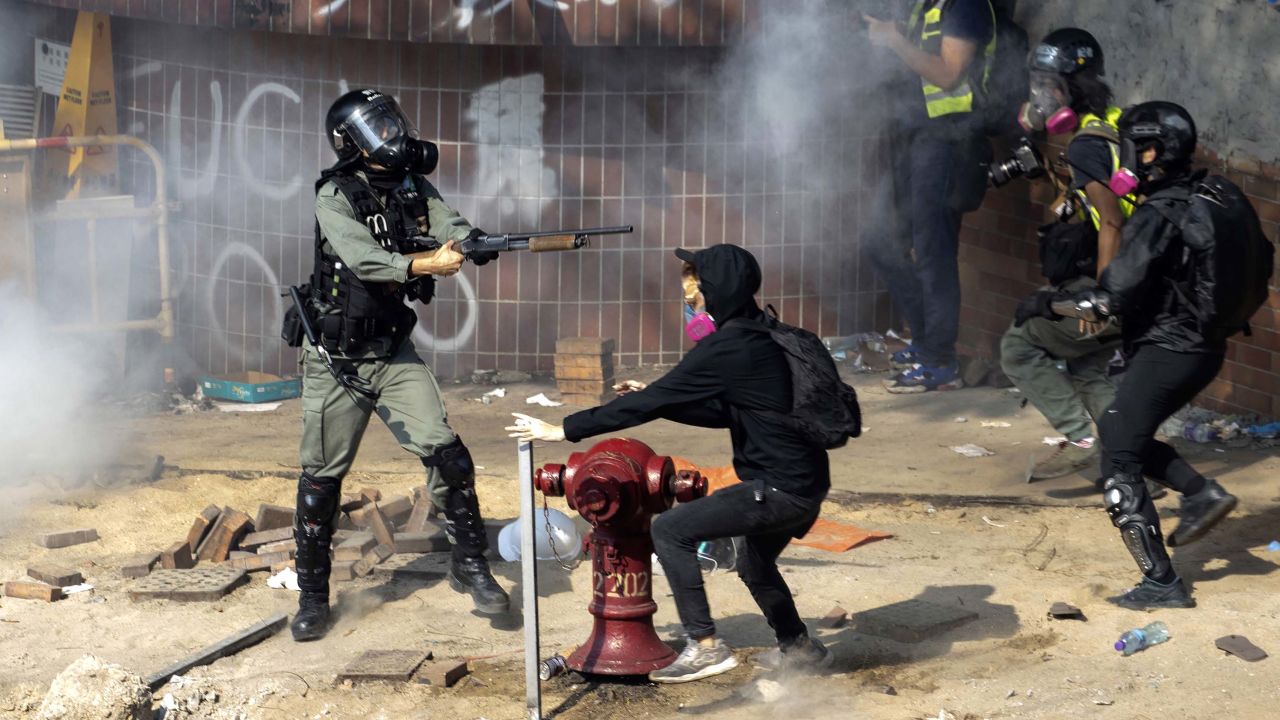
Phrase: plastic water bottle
(1199, 432)
(1142, 638)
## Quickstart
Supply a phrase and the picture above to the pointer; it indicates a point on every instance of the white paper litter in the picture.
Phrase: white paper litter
(1054, 441)
(995, 424)
(247, 407)
(496, 393)
(961, 419)
(286, 579)
(987, 520)
(72, 589)
(971, 450)
(543, 400)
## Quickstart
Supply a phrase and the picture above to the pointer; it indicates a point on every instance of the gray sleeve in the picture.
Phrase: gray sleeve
(352, 241)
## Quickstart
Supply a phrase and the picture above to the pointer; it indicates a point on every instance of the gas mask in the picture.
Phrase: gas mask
(388, 141)
(697, 325)
(1048, 107)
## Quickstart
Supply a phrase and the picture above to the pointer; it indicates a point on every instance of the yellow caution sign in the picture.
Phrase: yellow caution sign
(87, 105)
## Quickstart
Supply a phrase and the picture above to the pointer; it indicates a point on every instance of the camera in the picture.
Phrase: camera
(1026, 160)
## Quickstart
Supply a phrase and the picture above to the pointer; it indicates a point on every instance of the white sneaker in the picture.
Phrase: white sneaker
(695, 662)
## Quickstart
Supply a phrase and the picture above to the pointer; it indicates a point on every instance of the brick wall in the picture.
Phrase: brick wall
(1000, 265)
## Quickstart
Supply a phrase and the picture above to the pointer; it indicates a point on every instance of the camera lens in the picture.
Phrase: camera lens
(1004, 172)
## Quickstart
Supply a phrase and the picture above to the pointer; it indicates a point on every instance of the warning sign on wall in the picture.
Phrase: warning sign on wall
(51, 65)
(87, 104)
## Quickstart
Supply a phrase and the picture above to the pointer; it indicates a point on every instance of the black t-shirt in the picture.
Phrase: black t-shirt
(1090, 160)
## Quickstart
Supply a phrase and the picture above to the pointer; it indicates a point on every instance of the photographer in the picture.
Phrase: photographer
(1194, 265)
(1069, 96)
(735, 377)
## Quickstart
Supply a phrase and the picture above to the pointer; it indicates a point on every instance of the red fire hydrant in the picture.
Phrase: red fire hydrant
(617, 486)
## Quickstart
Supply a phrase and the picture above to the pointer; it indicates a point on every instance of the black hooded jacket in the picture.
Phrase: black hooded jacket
(1139, 279)
(734, 378)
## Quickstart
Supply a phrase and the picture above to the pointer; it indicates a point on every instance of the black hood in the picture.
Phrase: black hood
(729, 278)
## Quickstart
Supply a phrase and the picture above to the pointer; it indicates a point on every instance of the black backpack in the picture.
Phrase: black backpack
(1009, 80)
(824, 407)
(1227, 261)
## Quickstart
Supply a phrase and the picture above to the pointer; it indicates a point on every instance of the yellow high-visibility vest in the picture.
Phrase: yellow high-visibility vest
(928, 16)
(1108, 128)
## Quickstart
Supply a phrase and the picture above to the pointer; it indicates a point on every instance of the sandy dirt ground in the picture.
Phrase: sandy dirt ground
(968, 532)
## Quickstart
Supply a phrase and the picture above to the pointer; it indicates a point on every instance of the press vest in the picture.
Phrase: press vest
(927, 15)
(1107, 128)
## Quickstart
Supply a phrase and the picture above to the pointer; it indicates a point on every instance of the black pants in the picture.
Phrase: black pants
(767, 526)
(1157, 384)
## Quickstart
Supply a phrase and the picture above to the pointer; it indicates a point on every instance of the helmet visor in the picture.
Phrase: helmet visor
(376, 124)
(1050, 58)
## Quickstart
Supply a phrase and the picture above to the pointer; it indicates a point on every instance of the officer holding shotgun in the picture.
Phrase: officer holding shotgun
(362, 360)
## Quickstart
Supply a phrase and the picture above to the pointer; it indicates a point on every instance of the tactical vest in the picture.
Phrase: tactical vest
(1106, 128)
(927, 16)
(350, 312)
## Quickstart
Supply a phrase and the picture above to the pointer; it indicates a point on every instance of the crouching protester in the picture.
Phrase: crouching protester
(765, 382)
(1193, 267)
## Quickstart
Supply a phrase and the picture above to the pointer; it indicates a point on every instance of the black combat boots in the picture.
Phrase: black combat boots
(471, 575)
(312, 620)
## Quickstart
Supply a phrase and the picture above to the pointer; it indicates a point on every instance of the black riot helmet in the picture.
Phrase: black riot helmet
(1163, 126)
(1067, 51)
(369, 126)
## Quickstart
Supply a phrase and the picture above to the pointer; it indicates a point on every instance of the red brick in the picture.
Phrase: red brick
(226, 532)
(260, 562)
(271, 517)
(354, 548)
(140, 565)
(586, 346)
(836, 617)
(344, 571)
(265, 537)
(200, 528)
(397, 509)
(55, 575)
(25, 590)
(380, 527)
(444, 673)
(177, 557)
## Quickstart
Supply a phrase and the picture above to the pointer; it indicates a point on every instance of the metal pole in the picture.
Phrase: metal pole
(529, 582)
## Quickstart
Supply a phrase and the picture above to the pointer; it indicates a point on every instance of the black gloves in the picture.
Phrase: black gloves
(480, 258)
(1038, 304)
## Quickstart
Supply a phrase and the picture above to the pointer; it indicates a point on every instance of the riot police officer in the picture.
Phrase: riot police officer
(368, 206)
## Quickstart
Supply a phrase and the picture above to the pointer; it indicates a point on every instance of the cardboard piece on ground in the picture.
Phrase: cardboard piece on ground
(384, 665)
(826, 535)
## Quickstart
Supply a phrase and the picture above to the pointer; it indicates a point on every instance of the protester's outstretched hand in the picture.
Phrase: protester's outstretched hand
(627, 387)
(529, 428)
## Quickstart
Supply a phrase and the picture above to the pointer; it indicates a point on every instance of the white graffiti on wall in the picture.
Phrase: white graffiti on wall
(207, 177)
(250, 255)
(462, 338)
(273, 191)
(506, 120)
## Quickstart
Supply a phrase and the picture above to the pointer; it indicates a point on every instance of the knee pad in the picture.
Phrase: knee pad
(1125, 498)
(455, 465)
(317, 501)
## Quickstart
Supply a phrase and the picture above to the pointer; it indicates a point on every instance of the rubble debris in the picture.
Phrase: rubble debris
(836, 617)
(200, 527)
(177, 557)
(30, 590)
(271, 517)
(285, 579)
(66, 538)
(1063, 611)
(229, 646)
(227, 530)
(421, 542)
(972, 451)
(354, 548)
(372, 495)
(90, 688)
(380, 526)
(444, 673)
(396, 510)
(140, 565)
(55, 575)
(202, 584)
(396, 665)
(254, 563)
(265, 537)
(1241, 647)
(343, 570)
(420, 516)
